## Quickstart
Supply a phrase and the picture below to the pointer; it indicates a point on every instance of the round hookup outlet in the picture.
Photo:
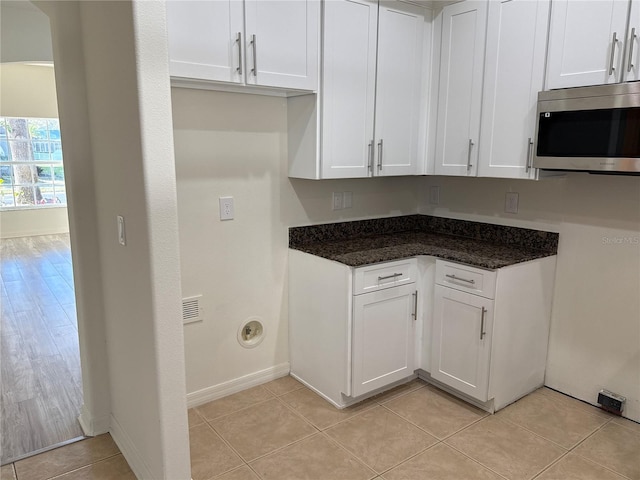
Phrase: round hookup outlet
(251, 332)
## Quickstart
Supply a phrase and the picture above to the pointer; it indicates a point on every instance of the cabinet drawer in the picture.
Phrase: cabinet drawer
(466, 278)
(384, 275)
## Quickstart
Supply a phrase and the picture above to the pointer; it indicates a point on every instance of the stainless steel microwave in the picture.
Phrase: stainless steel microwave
(590, 129)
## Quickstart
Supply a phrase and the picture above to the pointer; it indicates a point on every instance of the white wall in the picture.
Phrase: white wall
(595, 326)
(235, 144)
(30, 91)
(25, 35)
(114, 88)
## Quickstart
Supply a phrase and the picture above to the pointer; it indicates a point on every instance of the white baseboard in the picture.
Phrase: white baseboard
(236, 385)
(129, 450)
(91, 425)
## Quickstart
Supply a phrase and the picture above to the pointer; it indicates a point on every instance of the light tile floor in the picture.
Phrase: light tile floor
(283, 431)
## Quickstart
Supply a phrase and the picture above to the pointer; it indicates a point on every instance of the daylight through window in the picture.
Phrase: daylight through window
(31, 170)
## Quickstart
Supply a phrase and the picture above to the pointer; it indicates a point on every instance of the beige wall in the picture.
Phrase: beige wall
(235, 144)
(30, 91)
(25, 35)
(595, 327)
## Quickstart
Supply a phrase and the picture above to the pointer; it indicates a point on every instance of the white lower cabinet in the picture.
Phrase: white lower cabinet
(383, 337)
(461, 332)
(490, 330)
(351, 330)
(480, 334)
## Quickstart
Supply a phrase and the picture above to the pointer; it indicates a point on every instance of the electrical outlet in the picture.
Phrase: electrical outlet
(511, 202)
(226, 208)
(434, 195)
(347, 199)
(337, 201)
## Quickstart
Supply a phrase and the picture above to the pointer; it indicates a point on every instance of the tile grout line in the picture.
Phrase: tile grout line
(432, 434)
(486, 466)
(235, 411)
(350, 453)
(85, 466)
(472, 459)
(591, 460)
(226, 442)
(396, 465)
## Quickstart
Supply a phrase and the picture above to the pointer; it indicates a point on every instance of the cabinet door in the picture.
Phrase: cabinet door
(459, 98)
(204, 39)
(282, 43)
(514, 73)
(349, 69)
(399, 78)
(461, 341)
(581, 47)
(631, 64)
(383, 338)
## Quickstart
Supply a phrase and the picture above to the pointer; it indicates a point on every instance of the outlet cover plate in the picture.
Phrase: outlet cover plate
(511, 202)
(226, 208)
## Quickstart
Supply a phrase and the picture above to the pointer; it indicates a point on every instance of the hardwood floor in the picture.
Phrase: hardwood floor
(41, 383)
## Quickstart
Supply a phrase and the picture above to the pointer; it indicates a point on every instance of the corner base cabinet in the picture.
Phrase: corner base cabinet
(490, 330)
(352, 330)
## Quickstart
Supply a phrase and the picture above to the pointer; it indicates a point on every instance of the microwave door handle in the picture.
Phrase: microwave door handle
(632, 39)
(614, 40)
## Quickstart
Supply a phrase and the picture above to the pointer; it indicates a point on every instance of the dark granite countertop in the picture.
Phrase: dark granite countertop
(487, 246)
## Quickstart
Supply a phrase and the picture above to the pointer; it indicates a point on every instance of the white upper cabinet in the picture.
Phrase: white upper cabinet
(267, 43)
(206, 39)
(283, 39)
(348, 90)
(398, 88)
(459, 97)
(514, 73)
(587, 42)
(370, 121)
(632, 52)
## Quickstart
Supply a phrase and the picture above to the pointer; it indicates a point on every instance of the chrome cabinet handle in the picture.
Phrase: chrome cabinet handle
(469, 155)
(453, 277)
(415, 305)
(631, 40)
(370, 162)
(239, 40)
(529, 149)
(389, 276)
(255, 60)
(482, 332)
(614, 40)
(380, 155)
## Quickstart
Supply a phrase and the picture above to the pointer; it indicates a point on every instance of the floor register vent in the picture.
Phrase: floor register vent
(191, 311)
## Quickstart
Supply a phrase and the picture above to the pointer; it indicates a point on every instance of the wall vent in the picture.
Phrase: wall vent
(191, 311)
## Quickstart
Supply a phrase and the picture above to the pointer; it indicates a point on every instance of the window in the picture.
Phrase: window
(31, 170)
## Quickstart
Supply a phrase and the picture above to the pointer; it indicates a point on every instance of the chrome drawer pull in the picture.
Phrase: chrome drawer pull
(482, 332)
(415, 306)
(614, 41)
(529, 145)
(255, 54)
(240, 46)
(390, 276)
(632, 39)
(453, 277)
